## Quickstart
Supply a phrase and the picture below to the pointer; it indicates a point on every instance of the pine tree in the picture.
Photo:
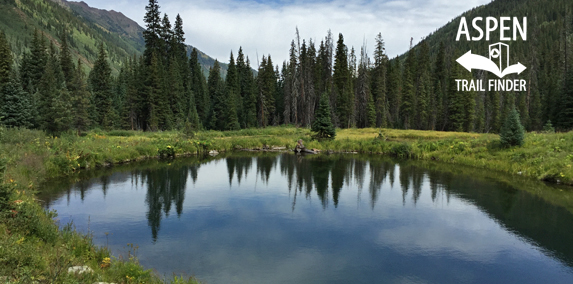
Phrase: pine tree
(215, 86)
(49, 90)
(6, 59)
(232, 90)
(100, 83)
(152, 21)
(408, 106)
(81, 100)
(342, 89)
(495, 112)
(363, 93)
(66, 58)
(154, 91)
(15, 106)
(322, 124)
(249, 92)
(512, 133)
(455, 100)
(246, 104)
(565, 118)
(423, 89)
(266, 92)
(198, 87)
(33, 64)
(379, 83)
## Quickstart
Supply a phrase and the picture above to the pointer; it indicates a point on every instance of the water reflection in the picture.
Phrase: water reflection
(244, 214)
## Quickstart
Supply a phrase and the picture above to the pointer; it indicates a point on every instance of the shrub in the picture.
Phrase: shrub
(512, 132)
(548, 127)
(402, 150)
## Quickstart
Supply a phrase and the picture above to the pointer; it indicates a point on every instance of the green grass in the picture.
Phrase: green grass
(33, 248)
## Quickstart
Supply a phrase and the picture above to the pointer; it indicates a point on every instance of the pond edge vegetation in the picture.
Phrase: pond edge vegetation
(34, 248)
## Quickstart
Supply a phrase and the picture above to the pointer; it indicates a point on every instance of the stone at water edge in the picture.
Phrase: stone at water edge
(80, 269)
(213, 153)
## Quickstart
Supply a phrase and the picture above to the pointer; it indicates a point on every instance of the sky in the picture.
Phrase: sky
(261, 27)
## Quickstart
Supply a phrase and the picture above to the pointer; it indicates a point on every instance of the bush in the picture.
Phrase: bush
(402, 150)
(548, 127)
(512, 132)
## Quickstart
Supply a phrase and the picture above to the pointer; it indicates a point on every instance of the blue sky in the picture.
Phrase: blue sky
(218, 27)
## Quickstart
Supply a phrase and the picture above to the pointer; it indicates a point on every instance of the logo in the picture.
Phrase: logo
(498, 62)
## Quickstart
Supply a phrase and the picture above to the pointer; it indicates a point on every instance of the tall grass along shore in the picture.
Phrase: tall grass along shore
(34, 248)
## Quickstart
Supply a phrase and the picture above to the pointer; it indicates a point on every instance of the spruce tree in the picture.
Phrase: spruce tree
(6, 59)
(565, 118)
(81, 100)
(152, 21)
(216, 93)
(15, 106)
(512, 133)
(342, 80)
(100, 83)
(66, 58)
(322, 124)
(408, 106)
(379, 82)
(198, 86)
(232, 90)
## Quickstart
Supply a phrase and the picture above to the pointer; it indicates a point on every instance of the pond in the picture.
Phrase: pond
(282, 218)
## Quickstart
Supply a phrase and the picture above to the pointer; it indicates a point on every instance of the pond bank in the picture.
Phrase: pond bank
(34, 249)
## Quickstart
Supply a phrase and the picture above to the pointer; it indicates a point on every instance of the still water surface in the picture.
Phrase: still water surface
(270, 218)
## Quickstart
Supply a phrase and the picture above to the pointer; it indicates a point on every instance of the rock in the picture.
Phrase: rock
(80, 269)
(265, 147)
(278, 148)
(213, 153)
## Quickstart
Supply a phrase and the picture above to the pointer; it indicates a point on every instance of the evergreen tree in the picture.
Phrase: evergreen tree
(322, 124)
(408, 106)
(456, 102)
(198, 87)
(423, 89)
(266, 90)
(495, 112)
(6, 59)
(232, 89)
(81, 99)
(249, 92)
(152, 21)
(66, 58)
(216, 89)
(565, 118)
(15, 106)
(512, 133)
(33, 64)
(379, 83)
(100, 83)
(342, 89)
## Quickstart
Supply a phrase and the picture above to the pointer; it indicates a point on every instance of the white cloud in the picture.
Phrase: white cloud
(219, 26)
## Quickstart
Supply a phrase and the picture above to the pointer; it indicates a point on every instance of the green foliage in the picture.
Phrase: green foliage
(167, 151)
(402, 150)
(322, 124)
(512, 133)
(6, 60)
(548, 127)
(15, 105)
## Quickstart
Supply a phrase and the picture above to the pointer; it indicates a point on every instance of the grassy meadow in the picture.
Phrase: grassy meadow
(34, 248)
